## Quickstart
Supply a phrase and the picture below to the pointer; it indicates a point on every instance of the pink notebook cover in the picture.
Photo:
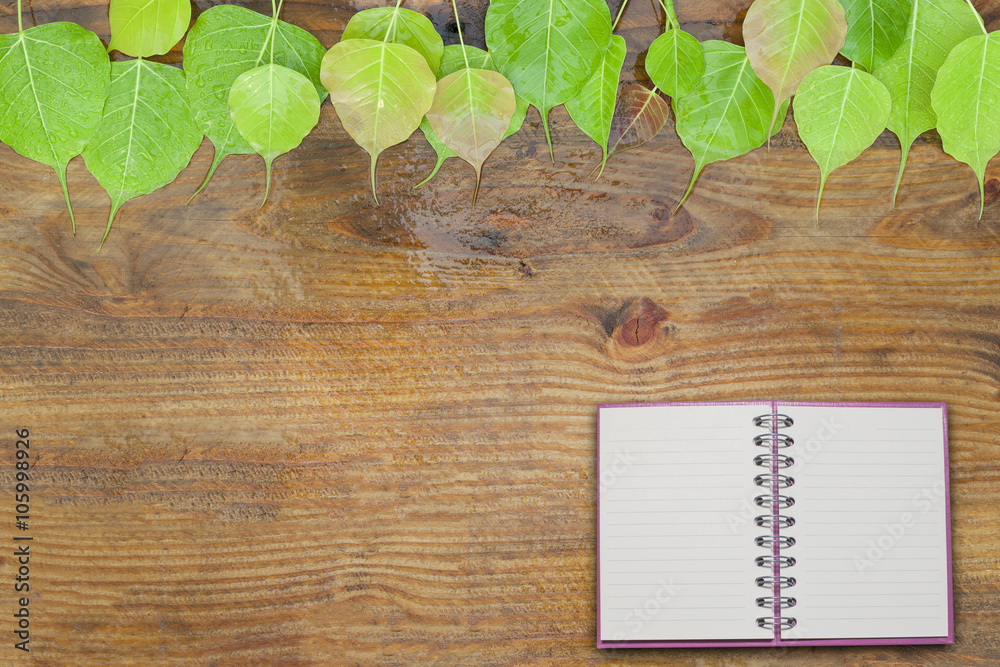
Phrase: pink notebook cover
(776, 640)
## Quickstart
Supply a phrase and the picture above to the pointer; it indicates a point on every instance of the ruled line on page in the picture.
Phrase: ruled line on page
(869, 618)
(701, 584)
(686, 442)
(663, 516)
(870, 523)
(848, 605)
(851, 595)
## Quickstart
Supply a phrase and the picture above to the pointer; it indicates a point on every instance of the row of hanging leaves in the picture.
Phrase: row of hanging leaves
(248, 86)
(916, 65)
(255, 84)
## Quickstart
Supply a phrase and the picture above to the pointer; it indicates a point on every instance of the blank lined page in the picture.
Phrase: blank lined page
(676, 551)
(871, 524)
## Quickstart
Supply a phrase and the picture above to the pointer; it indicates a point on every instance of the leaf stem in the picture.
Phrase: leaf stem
(479, 178)
(372, 162)
(269, 39)
(819, 196)
(548, 135)
(904, 151)
(668, 8)
(621, 10)
(690, 187)
(437, 166)
(458, 27)
(115, 205)
(604, 162)
(61, 174)
(216, 160)
(20, 25)
(267, 182)
(390, 31)
(274, 27)
(982, 199)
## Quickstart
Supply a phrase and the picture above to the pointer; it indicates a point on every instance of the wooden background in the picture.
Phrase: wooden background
(325, 433)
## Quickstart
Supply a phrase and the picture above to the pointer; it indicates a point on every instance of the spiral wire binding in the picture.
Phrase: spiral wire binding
(769, 521)
(765, 460)
(771, 480)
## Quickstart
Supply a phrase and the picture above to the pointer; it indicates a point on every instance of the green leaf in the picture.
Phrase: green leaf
(142, 28)
(381, 92)
(966, 99)
(839, 111)
(54, 80)
(547, 49)
(639, 116)
(225, 42)
(146, 136)
(875, 29)
(593, 108)
(398, 26)
(470, 114)
(726, 114)
(934, 29)
(451, 62)
(675, 62)
(787, 39)
(274, 108)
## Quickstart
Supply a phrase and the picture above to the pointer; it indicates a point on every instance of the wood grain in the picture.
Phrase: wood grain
(326, 433)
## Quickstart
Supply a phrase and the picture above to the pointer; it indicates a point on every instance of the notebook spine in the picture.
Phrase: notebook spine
(775, 480)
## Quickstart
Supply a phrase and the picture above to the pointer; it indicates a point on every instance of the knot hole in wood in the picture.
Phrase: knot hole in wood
(639, 323)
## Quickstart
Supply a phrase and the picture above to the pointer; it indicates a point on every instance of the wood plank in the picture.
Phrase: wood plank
(324, 432)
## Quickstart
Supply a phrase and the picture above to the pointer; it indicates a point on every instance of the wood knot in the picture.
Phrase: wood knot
(638, 322)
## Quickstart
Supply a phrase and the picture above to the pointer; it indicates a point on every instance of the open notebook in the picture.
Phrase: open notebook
(773, 523)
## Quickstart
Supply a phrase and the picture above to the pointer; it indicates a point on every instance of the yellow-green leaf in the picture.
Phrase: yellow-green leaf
(381, 92)
(452, 61)
(966, 99)
(934, 29)
(471, 112)
(839, 112)
(675, 62)
(274, 108)
(399, 26)
(142, 28)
